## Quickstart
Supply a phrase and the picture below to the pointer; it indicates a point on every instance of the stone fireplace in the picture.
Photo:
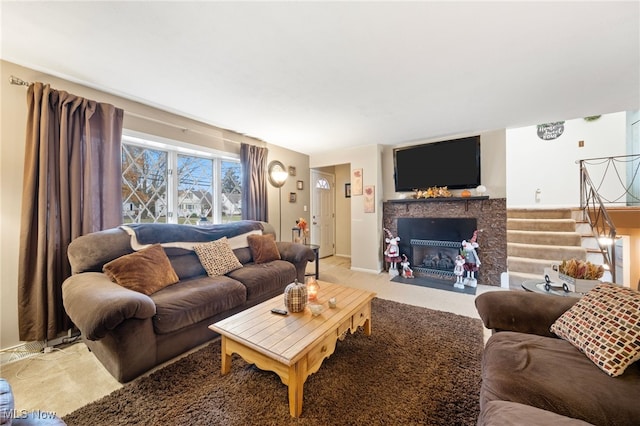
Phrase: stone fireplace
(431, 232)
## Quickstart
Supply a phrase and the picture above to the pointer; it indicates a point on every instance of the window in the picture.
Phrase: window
(166, 183)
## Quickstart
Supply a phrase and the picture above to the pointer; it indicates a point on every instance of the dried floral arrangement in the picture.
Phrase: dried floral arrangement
(581, 269)
(433, 192)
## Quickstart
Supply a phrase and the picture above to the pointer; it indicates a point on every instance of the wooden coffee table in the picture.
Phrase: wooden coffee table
(294, 346)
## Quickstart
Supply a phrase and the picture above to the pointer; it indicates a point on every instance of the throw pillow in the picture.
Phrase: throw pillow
(145, 271)
(217, 257)
(263, 248)
(605, 326)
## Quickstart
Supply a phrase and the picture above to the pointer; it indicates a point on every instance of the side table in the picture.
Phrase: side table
(316, 251)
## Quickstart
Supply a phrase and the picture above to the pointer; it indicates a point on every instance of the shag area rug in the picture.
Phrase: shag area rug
(419, 366)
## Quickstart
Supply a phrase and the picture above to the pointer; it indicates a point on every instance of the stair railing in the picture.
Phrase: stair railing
(596, 215)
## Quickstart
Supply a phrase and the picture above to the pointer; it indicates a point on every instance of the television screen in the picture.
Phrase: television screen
(454, 163)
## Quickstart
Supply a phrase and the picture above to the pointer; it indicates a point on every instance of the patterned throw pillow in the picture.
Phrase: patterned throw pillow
(217, 257)
(145, 271)
(605, 326)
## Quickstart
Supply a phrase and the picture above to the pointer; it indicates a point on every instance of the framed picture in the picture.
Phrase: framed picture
(292, 171)
(369, 199)
(356, 178)
(347, 190)
(300, 185)
(292, 197)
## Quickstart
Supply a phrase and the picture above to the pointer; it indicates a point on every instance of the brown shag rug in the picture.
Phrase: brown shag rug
(419, 366)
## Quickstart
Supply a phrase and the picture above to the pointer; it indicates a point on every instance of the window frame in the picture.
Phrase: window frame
(174, 148)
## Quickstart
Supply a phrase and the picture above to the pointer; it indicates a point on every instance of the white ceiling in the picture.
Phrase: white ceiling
(318, 76)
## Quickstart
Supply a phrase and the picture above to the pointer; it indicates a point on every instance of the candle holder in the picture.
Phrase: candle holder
(312, 289)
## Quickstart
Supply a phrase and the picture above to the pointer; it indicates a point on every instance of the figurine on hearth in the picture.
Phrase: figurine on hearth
(471, 259)
(458, 271)
(392, 253)
(407, 272)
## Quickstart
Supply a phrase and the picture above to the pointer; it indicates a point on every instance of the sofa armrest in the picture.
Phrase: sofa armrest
(97, 305)
(298, 254)
(524, 312)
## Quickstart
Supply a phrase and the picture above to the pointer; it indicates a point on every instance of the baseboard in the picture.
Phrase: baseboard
(369, 271)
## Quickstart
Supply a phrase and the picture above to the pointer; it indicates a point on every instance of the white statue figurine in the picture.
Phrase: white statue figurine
(471, 260)
(407, 272)
(458, 271)
(392, 253)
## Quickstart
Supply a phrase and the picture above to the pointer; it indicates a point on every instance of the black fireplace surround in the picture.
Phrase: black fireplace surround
(431, 244)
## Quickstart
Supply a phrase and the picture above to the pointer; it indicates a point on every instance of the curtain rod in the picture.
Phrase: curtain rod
(181, 128)
(18, 81)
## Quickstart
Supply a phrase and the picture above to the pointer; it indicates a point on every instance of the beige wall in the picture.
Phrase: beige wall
(492, 166)
(343, 211)
(139, 118)
(366, 228)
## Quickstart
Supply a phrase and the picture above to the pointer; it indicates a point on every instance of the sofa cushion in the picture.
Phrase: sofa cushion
(605, 326)
(506, 413)
(145, 271)
(193, 300)
(263, 248)
(217, 257)
(187, 264)
(264, 278)
(551, 374)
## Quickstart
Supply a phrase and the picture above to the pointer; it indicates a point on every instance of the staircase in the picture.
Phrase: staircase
(537, 238)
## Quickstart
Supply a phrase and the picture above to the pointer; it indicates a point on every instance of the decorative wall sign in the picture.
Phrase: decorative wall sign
(369, 199)
(356, 180)
(292, 171)
(549, 131)
(292, 197)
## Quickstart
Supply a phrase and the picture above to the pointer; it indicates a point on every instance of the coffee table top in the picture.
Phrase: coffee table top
(285, 338)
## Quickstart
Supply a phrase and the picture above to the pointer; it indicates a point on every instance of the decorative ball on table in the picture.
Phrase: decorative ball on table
(295, 297)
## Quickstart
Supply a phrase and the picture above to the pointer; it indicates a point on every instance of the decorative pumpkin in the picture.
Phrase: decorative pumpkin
(466, 193)
(295, 297)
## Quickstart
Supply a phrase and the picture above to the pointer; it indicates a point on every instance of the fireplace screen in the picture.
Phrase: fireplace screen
(434, 257)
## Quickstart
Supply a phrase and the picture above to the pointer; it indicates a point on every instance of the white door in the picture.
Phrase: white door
(322, 212)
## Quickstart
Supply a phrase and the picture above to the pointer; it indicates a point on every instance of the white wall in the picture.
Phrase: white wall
(533, 163)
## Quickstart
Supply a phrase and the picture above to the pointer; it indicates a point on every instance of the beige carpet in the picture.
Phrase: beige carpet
(419, 366)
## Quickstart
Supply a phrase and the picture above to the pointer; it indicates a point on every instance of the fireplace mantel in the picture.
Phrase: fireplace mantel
(490, 214)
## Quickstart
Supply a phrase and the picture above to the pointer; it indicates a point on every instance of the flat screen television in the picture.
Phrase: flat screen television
(453, 163)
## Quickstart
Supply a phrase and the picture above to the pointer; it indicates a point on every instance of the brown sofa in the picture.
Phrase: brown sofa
(131, 332)
(532, 377)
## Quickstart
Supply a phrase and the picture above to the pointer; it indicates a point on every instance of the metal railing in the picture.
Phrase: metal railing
(612, 190)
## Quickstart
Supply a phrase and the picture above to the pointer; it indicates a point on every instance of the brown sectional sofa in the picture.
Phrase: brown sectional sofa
(532, 377)
(131, 332)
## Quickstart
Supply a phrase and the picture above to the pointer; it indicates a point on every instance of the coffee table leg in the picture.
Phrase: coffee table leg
(226, 358)
(296, 386)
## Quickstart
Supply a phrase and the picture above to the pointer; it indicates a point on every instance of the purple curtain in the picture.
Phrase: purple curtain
(253, 160)
(72, 186)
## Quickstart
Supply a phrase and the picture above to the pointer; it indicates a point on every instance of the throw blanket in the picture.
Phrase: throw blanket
(186, 236)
